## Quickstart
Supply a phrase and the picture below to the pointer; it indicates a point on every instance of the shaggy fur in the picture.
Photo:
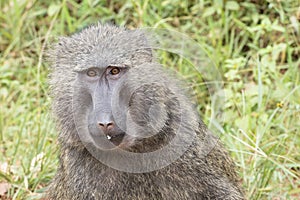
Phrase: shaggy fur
(194, 175)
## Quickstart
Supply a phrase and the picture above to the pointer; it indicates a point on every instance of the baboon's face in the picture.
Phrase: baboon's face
(125, 107)
(125, 99)
(98, 84)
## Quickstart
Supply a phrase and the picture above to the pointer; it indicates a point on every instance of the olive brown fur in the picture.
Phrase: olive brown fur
(204, 171)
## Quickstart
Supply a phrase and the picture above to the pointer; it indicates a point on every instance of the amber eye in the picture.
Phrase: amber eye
(91, 73)
(115, 71)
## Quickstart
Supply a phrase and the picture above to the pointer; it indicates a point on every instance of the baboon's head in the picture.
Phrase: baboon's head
(108, 89)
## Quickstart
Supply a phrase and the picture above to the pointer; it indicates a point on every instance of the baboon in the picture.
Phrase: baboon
(116, 109)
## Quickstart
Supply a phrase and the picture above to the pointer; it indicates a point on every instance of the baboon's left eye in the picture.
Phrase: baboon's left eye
(115, 71)
(91, 73)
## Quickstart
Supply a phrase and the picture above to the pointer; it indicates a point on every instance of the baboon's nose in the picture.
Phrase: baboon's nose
(106, 126)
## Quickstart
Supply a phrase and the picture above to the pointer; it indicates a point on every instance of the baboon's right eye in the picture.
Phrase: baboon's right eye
(91, 73)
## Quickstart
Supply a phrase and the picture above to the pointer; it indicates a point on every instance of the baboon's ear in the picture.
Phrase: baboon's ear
(56, 51)
(146, 53)
(51, 53)
(142, 48)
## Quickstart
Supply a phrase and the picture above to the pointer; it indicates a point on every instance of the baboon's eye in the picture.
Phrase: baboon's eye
(91, 73)
(114, 71)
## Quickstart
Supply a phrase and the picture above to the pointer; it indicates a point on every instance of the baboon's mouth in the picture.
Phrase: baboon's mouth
(116, 139)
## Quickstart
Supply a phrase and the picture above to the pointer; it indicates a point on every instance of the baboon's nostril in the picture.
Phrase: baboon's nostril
(101, 124)
(110, 125)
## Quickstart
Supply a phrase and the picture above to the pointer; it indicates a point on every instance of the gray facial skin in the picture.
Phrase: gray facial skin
(99, 83)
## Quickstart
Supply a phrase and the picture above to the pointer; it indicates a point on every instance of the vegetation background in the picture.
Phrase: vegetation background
(254, 43)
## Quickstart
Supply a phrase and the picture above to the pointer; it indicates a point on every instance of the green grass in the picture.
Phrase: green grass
(254, 44)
